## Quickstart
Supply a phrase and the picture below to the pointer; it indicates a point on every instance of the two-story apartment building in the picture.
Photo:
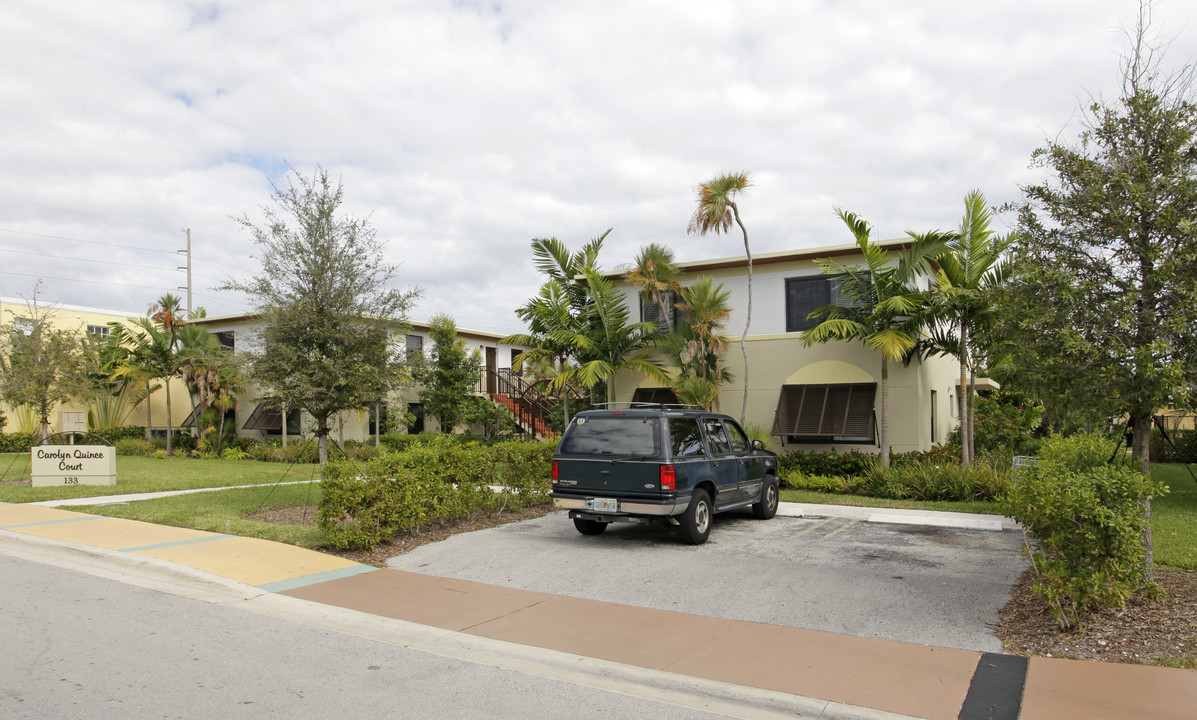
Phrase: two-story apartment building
(816, 398)
(256, 416)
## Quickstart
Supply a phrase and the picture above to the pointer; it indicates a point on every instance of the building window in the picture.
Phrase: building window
(934, 404)
(805, 295)
(826, 413)
(417, 412)
(100, 332)
(415, 344)
(227, 339)
(23, 326)
(651, 312)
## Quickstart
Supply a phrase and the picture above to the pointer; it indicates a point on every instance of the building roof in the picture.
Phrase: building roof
(418, 325)
(784, 256)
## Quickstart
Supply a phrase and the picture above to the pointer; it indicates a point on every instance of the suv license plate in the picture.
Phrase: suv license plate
(604, 505)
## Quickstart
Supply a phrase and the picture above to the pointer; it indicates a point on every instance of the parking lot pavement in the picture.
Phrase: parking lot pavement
(912, 583)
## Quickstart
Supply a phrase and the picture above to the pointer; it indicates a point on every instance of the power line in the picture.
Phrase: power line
(90, 242)
(96, 282)
(79, 259)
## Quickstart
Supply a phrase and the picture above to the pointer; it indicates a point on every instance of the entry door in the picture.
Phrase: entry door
(492, 372)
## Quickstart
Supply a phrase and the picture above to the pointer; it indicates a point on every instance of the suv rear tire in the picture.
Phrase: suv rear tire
(696, 521)
(589, 527)
(766, 507)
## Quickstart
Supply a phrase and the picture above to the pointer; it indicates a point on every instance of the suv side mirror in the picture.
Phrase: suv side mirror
(758, 445)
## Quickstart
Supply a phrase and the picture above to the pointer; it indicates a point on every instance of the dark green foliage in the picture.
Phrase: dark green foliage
(1006, 424)
(1182, 449)
(329, 317)
(1085, 517)
(18, 441)
(828, 464)
(449, 375)
(363, 504)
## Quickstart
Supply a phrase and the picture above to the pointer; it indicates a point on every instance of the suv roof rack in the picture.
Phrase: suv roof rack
(649, 406)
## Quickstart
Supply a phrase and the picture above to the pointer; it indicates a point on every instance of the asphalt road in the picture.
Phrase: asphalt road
(936, 586)
(79, 646)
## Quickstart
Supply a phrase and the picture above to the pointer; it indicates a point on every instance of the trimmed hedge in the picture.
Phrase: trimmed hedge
(18, 441)
(365, 503)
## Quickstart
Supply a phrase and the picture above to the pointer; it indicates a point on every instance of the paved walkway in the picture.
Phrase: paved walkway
(741, 668)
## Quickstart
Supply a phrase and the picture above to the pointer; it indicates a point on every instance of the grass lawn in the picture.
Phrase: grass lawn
(224, 512)
(1174, 518)
(136, 474)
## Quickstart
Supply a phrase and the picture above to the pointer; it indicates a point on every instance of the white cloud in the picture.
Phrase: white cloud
(466, 129)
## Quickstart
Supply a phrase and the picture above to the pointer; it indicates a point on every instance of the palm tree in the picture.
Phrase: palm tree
(883, 308)
(655, 272)
(696, 348)
(716, 211)
(608, 342)
(551, 326)
(151, 355)
(970, 269)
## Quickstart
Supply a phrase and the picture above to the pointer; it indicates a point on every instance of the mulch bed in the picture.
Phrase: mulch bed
(1162, 632)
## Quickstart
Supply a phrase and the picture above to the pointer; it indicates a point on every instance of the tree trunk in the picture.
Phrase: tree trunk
(884, 412)
(170, 448)
(1141, 456)
(962, 398)
(322, 433)
(341, 431)
(149, 419)
(747, 315)
(45, 419)
(377, 426)
(283, 410)
(971, 407)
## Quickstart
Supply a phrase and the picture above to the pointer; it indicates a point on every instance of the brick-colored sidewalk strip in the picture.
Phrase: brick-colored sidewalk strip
(904, 678)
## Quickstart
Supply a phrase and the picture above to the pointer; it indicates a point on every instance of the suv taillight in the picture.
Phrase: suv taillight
(668, 478)
(554, 472)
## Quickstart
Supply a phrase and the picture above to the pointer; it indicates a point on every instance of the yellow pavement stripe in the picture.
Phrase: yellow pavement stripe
(113, 533)
(250, 560)
(18, 514)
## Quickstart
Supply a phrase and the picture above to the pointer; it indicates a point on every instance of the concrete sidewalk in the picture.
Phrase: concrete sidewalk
(740, 668)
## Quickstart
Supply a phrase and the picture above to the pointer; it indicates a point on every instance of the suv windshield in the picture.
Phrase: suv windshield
(605, 435)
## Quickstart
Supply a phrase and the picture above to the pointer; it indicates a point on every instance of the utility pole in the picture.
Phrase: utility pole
(188, 269)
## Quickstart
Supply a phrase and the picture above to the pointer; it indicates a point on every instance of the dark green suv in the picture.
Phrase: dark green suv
(650, 462)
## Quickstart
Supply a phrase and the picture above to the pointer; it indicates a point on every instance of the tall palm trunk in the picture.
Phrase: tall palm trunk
(170, 450)
(962, 397)
(884, 412)
(747, 313)
(149, 418)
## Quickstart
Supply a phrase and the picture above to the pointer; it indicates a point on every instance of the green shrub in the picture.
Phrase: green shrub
(18, 441)
(1086, 517)
(1005, 423)
(927, 480)
(124, 432)
(1182, 449)
(365, 503)
(796, 480)
(139, 446)
(827, 464)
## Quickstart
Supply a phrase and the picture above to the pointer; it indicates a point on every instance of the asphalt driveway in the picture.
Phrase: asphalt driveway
(932, 585)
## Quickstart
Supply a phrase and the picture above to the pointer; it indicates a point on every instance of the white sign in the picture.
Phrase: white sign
(55, 465)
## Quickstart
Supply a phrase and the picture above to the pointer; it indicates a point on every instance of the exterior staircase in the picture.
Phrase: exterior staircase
(527, 404)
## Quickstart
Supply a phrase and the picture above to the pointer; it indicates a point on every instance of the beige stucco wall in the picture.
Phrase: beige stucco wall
(78, 319)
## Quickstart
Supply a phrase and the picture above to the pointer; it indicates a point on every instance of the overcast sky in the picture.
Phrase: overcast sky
(465, 129)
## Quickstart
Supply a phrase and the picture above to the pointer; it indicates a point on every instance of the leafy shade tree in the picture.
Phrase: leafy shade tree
(1109, 250)
(41, 366)
(655, 273)
(884, 309)
(970, 271)
(1109, 256)
(608, 341)
(716, 212)
(449, 374)
(329, 319)
(696, 348)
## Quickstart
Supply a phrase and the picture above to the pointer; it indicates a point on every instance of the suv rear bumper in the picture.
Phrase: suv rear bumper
(659, 508)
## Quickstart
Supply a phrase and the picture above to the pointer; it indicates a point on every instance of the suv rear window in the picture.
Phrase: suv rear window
(625, 435)
(685, 438)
